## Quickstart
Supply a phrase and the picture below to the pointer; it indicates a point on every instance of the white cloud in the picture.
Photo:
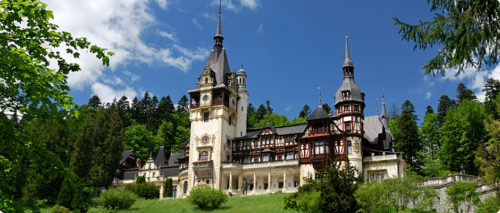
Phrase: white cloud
(195, 22)
(117, 25)
(252, 4)
(209, 16)
(107, 93)
(428, 95)
(288, 108)
(229, 5)
(260, 29)
(162, 3)
(473, 78)
(168, 35)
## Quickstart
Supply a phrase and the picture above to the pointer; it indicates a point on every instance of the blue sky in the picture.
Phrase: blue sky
(288, 48)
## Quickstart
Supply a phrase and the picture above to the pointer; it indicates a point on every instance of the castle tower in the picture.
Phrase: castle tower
(217, 112)
(349, 105)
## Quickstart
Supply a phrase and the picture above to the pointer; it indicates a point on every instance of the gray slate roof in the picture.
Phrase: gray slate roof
(125, 155)
(160, 159)
(373, 126)
(217, 61)
(283, 130)
(349, 85)
(172, 161)
(319, 113)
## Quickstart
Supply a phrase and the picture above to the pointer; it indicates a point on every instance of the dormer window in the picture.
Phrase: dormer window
(346, 95)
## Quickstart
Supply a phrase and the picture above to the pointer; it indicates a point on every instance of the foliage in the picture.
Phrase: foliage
(407, 137)
(488, 154)
(462, 132)
(74, 193)
(491, 89)
(394, 194)
(430, 133)
(464, 93)
(305, 112)
(273, 119)
(169, 188)
(490, 205)
(144, 190)
(462, 193)
(466, 30)
(205, 197)
(139, 139)
(30, 47)
(334, 192)
(444, 103)
(299, 120)
(140, 179)
(59, 209)
(290, 201)
(117, 199)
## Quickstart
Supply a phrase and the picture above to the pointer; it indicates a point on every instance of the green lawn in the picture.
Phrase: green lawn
(260, 203)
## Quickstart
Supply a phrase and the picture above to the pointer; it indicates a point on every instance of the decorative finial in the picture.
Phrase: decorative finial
(319, 88)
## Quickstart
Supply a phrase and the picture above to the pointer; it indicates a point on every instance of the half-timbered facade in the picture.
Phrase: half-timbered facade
(221, 152)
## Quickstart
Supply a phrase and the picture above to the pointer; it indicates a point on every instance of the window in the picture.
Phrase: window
(356, 108)
(265, 158)
(346, 108)
(318, 148)
(204, 139)
(185, 187)
(349, 148)
(377, 176)
(230, 120)
(289, 156)
(204, 155)
(205, 117)
(326, 148)
(382, 177)
(246, 159)
(347, 126)
(319, 127)
(207, 181)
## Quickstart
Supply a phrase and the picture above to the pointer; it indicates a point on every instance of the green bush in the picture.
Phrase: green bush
(205, 197)
(289, 201)
(490, 205)
(140, 179)
(309, 202)
(117, 199)
(59, 209)
(144, 190)
(169, 188)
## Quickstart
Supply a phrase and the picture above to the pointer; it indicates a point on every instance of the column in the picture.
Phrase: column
(254, 183)
(240, 184)
(269, 185)
(284, 180)
(230, 182)
(162, 189)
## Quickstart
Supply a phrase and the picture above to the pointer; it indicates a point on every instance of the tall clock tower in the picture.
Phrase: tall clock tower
(217, 111)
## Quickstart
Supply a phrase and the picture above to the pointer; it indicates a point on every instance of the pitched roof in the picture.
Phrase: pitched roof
(125, 155)
(282, 130)
(172, 161)
(349, 85)
(319, 113)
(217, 61)
(373, 127)
(160, 157)
(347, 61)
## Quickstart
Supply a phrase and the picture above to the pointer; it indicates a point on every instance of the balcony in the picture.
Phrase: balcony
(203, 169)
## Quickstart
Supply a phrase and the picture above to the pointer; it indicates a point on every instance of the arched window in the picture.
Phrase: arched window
(204, 155)
(185, 187)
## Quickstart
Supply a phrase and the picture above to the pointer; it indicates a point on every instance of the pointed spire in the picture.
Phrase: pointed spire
(347, 62)
(218, 34)
(384, 111)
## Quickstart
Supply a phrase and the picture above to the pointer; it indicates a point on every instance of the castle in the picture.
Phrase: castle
(221, 152)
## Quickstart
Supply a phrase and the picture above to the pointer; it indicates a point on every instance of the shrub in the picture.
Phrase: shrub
(205, 197)
(290, 201)
(117, 199)
(140, 179)
(462, 193)
(309, 202)
(490, 205)
(169, 188)
(144, 190)
(59, 209)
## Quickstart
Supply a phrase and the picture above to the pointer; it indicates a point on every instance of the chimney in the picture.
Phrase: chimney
(138, 163)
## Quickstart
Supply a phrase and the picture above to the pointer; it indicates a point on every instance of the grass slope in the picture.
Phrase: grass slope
(261, 203)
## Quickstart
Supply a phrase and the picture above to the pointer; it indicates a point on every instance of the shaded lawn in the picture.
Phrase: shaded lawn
(259, 203)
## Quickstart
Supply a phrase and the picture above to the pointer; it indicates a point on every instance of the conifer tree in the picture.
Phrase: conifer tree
(464, 93)
(408, 141)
